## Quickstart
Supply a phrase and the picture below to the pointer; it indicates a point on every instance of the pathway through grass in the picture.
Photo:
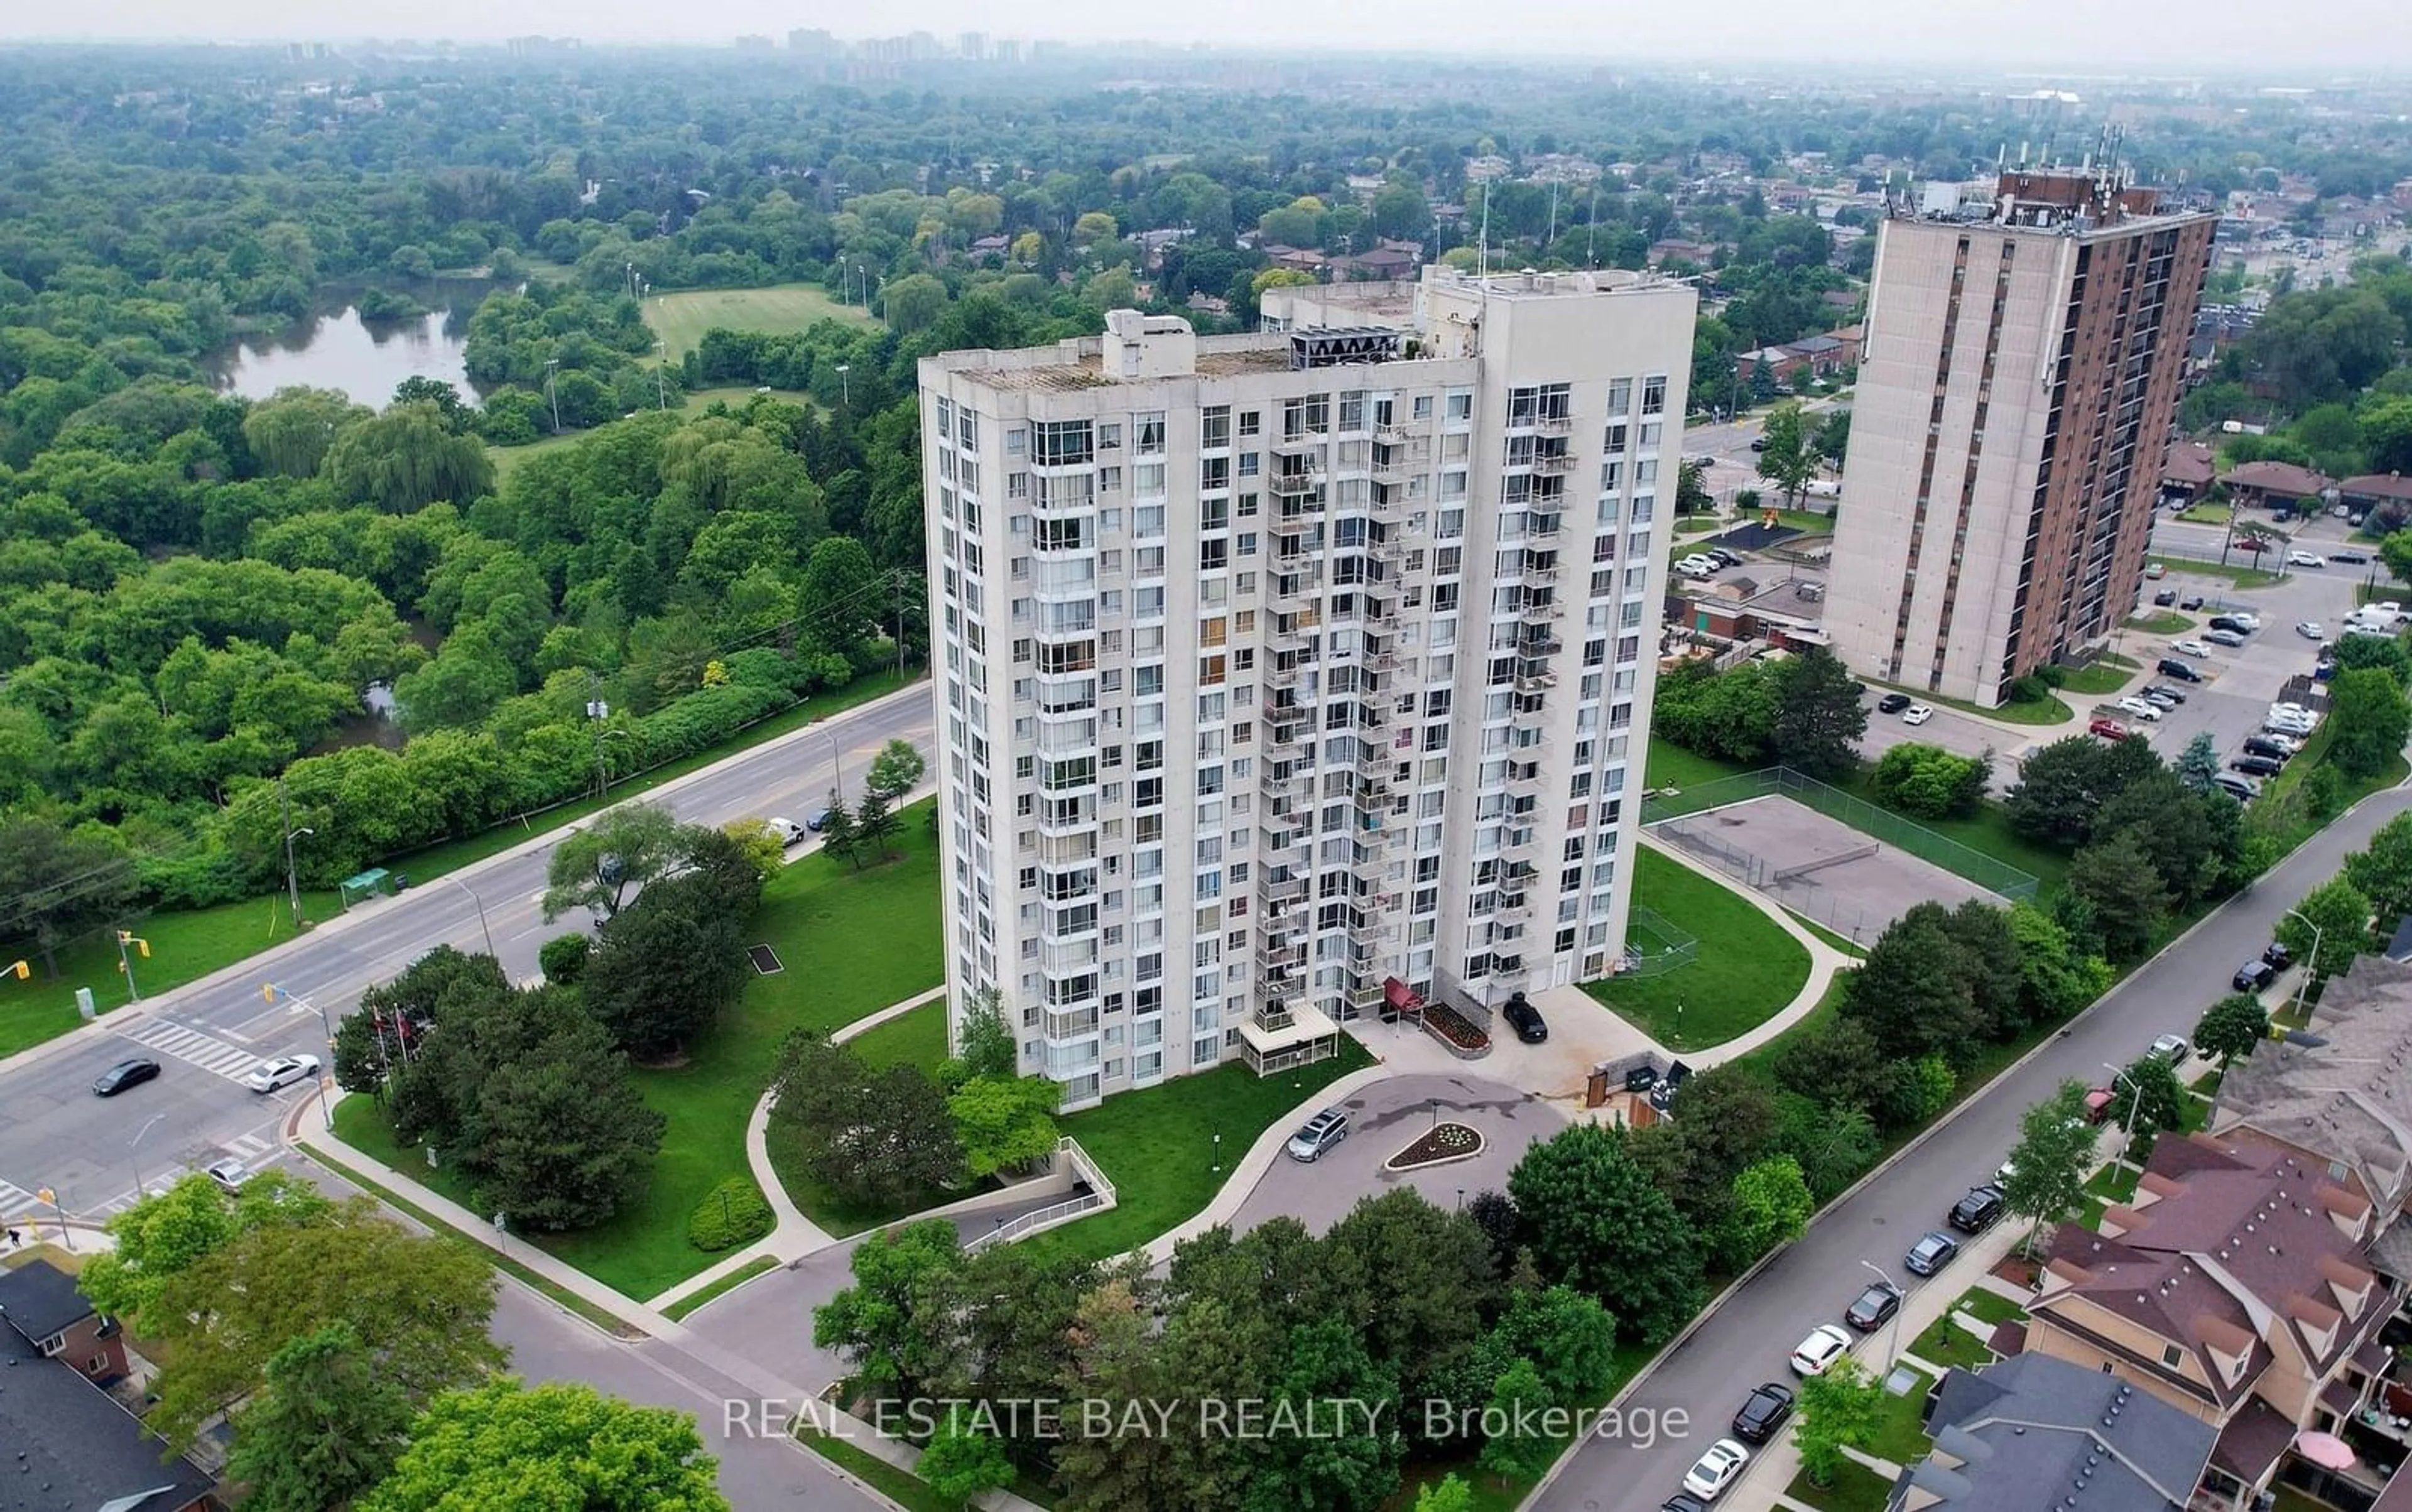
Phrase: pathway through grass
(1747, 969)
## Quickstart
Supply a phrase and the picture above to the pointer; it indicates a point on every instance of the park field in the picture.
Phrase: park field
(682, 318)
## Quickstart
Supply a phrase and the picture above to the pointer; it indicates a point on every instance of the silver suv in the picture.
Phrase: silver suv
(1320, 1135)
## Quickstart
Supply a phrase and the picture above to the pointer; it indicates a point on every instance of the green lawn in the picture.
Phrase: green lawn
(1855, 1489)
(682, 318)
(2105, 677)
(2207, 514)
(2045, 711)
(726, 1284)
(907, 1491)
(1847, 946)
(916, 1039)
(2242, 577)
(2166, 622)
(1671, 766)
(738, 398)
(1900, 1436)
(189, 943)
(1947, 1343)
(1747, 969)
(1157, 1146)
(852, 941)
(508, 460)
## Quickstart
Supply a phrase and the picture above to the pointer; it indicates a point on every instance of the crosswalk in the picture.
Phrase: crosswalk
(26, 1212)
(20, 1208)
(191, 1046)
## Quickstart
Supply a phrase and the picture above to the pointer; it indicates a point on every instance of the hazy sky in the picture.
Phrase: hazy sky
(2096, 37)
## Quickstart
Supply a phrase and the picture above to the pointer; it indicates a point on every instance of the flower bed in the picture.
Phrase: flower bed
(1463, 1038)
(1438, 1146)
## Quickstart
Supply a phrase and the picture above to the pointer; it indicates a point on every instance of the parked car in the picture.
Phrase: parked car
(2277, 955)
(2159, 691)
(2242, 789)
(2350, 557)
(282, 1072)
(1717, 1468)
(125, 1074)
(2155, 570)
(1876, 1301)
(1892, 703)
(2311, 630)
(2306, 559)
(815, 823)
(2230, 638)
(2173, 1048)
(1525, 1020)
(2170, 667)
(2097, 1103)
(1916, 713)
(1763, 1412)
(789, 830)
(1319, 1135)
(2160, 698)
(2290, 725)
(2143, 709)
(2269, 744)
(2166, 597)
(1931, 1253)
(229, 1174)
(2257, 766)
(2190, 648)
(1825, 1344)
(1978, 1210)
(2108, 729)
(2243, 625)
(1758, 443)
(2191, 603)
(1722, 557)
(2253, 976)
(1683, 1502)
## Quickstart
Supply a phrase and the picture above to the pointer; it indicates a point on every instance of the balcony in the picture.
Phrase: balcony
(1071, 821)
(1516, 914)
(1392, 436)
(1540, 610)
(1365, 997)
(1070, 1023)
(1534, 678)
(1391, 548)
(1521, 843)
(1307, 443)
(1289, 889)
(1379, 762)
(1369, 934)
(1558, 465)
(1293, 594)
(1542, 525)
(1285, 675)
(1525, 780)
(1296, 521)
(1542, 572)
(1370, 867)
(1067, 850)
(1295, 485)
(1274, 1017)
(1555, 425)
(1285, 957)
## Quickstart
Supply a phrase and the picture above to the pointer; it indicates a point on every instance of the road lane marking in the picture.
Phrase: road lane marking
(192, 1047)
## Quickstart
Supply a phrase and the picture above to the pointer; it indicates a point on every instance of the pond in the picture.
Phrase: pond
(336, 348)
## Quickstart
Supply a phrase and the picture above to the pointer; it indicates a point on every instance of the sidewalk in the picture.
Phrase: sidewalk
(251, 969)
(1825, 963)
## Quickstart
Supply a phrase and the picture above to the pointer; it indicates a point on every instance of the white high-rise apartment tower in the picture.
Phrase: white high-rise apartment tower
(1282, 675)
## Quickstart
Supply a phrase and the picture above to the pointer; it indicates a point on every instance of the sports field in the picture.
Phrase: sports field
(681, 319)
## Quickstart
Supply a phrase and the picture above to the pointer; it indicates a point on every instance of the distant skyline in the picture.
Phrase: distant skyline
(2312, 39)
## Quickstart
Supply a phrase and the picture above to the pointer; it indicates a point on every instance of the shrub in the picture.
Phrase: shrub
(730, 1214)
(564, 958)
(1929, 782)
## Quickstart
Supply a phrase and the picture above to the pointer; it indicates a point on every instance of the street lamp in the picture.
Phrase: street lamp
(1892, 1334)
(481, 903)
(2127, 1124)
(133, 1153)
(845, 389)
(2309, 966)
(551, 363)
(271, 992)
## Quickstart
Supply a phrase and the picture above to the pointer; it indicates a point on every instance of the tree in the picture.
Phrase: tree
(1772, 1207)
(1005, 1121)
(1838, 1410)
(1413, 1280)
(2046, 1166)
(1600, 1225)
(1788, 459)
(2056, 979)
(875, 825)
(1692, 496)
(625, 848)
(984, 1045)
(874, 1138)
(417, 1305)
(913, 303)
(1914, 992)
(292, 428)
(893, 1326)
(667, 965)
(1818, 715)
(564, 1140)
(2369, 720)
(563, 958)
(1321, 1362)
(962, 1459)
(1835, 1061)
(2062, 787)
(1928, 783)
(2199, 763)
(842, 594)
(2232, 1027)
(893, 771)
(2353, 653)
(58, 886)
(504, 1444)
(1567, 1336)
(406, 459)
(1446, 1494)
(2327, 928)
(166, 1233)
(1836, 1146)
(1519, 1396)
(2116, 879)
(324, 1430)
(1833, 440)
(2383, 871)
(758, 843)
(2146, 1099)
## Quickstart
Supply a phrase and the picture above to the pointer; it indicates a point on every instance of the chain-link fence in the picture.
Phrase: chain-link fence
(1653, 945)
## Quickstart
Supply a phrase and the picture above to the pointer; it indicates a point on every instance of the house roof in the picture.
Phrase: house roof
(2349, 1100)
(2189, 463)
(39, 1300)
(2277, 477)
(2033, 1422)
(2235, 1242)
(82, 1448)
(2377, 486)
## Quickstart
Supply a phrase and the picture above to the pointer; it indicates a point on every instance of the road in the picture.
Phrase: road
(209, 1035)
(1747, 1341)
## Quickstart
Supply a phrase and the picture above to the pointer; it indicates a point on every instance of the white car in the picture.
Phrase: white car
(2306, 559)
(1716, 1470)
(2280, 725)
(1826, 1342)
(1916, 713)
(2245, 620)
(1695, 569)
(2189, 648)
(283, 1072)
(2156, 571)
(2140, 707)
(2311, 630)
(787, 830)
(229, 1174)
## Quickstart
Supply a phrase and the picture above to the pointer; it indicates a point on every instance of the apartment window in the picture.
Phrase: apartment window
(1149, 434)
(1214, 427)
(1653, 396)
(1061, 443)
(1460, 406)
(1619, 397)
(1251, 424)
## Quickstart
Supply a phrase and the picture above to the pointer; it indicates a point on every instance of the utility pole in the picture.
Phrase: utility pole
(551, 363)
(597, 713)
(292, 878)
(269, 992)
(125, 962)
(661, 390)
(900, 625)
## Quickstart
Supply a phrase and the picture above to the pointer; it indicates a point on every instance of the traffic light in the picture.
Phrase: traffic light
(268, 993)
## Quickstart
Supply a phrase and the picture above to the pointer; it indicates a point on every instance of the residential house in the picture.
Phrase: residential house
(2022, 1434)
(1384, 263)
(2187, 471)
(2239, 1286)
(991, 246)
(1676, 249)
(2274, 485)
(2376, 491)
(70, 1437)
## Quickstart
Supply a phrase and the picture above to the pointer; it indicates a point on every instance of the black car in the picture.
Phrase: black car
(2190, 602)
(1683, 1502)
(2162, 690)
(2229, 622)
(2355, 558)
(1892, 703)
(2253, 976)
(2277, 955)
(1977, 1211)
(1525, 1020)
(1763, 1414)
(2182, 671)
(2262, 746)
(1931, 1253)
(2257, 766)
(1758, 443)
(2166, 597)
(125, 1074)
(1873, 1306)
